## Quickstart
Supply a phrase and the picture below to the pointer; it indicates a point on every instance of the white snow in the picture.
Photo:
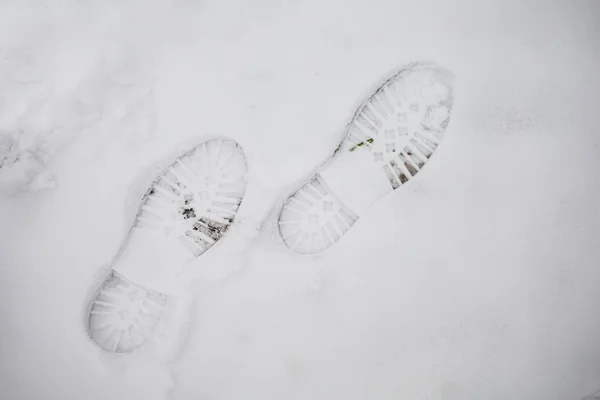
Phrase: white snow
(478, 280)
(21, 170)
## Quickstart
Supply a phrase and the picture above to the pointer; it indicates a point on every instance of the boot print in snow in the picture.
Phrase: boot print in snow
(389, 140)
(184, 213)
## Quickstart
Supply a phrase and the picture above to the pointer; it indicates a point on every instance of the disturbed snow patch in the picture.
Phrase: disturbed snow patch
(22, 169)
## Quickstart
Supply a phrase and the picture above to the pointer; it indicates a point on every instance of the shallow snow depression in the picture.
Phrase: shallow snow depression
(476, 279)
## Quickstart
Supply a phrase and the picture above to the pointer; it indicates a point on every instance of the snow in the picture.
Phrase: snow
(479, 279)
(22, 169)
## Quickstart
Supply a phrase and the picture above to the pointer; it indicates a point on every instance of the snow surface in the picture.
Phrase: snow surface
(478, 280)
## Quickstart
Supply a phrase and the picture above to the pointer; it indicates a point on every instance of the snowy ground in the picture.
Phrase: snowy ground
(479, 280)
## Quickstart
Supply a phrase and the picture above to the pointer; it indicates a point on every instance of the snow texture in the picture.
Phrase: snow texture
(478, 279)
(594, 396)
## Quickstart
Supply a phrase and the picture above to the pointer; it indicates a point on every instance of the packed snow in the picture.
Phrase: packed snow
(477, 280)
